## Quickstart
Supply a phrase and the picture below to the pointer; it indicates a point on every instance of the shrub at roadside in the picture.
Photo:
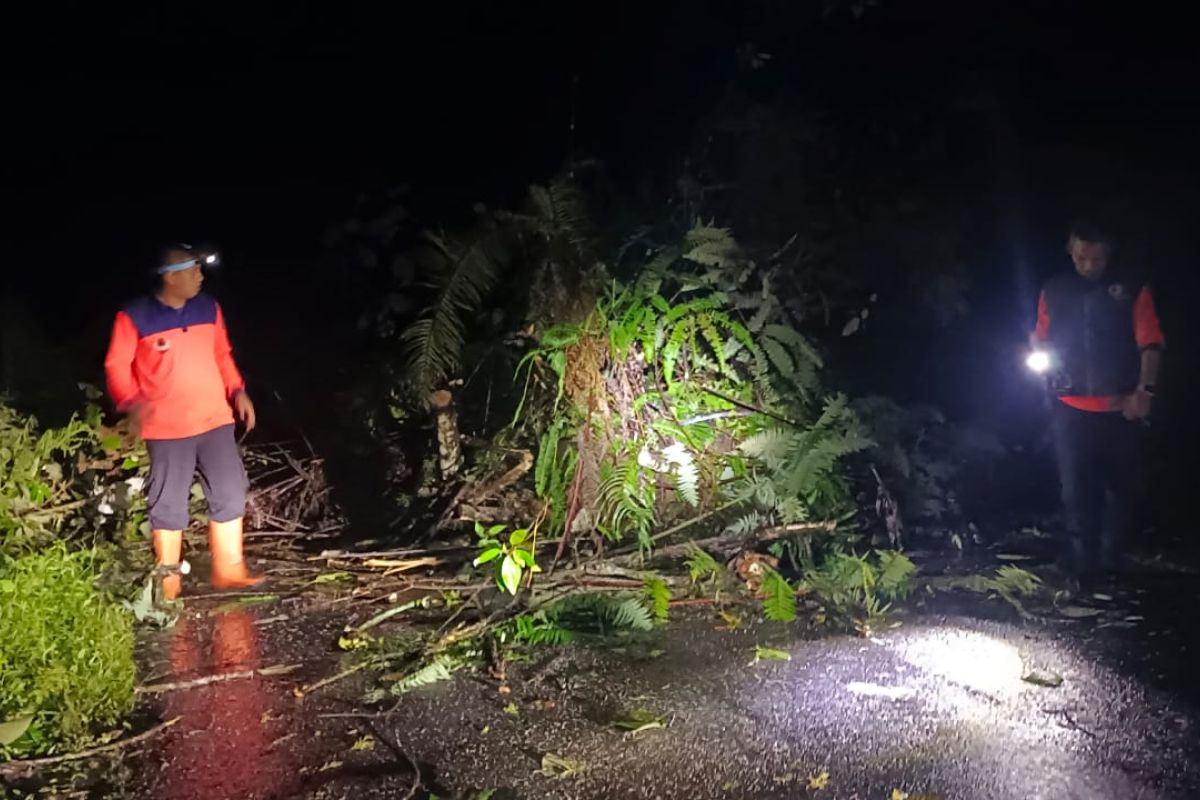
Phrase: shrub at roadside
(66, 653)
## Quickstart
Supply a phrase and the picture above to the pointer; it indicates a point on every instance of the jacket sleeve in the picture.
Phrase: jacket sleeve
(224, 353)
(118, 363)
(1145, 321)
(1041, 331)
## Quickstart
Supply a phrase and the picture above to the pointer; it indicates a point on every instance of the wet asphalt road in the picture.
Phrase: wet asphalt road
(935, 707)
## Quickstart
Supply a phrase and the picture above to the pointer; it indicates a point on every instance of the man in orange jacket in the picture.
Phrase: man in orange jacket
(1100, 323)
(170, 367)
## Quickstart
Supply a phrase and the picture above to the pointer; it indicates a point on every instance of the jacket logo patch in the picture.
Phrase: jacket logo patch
(1117, 291)
(162, 344)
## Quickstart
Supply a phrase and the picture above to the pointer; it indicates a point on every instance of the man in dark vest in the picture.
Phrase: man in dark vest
(1100, 331)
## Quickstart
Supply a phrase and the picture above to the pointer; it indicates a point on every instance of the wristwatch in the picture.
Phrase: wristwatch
(1148, 388)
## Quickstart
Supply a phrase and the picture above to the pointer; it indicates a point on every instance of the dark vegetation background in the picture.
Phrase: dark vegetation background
(930, 153)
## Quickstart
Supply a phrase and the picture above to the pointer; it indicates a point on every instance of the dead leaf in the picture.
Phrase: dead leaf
(402, 565)
(819, 781)
(1049, 680)
(1079, 612)
(555, 766)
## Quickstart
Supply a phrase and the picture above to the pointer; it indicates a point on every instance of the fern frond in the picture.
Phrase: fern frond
(772, 444)
(895, 574)
(437, 670)
(686, 474)
(658, 595)
(700, 564)
(540, 628)
(560, 212)
(712, 247)
(630, 613)
(790, 337)
(748, 523)
(779, 601)
(597, 612)
(779, 357)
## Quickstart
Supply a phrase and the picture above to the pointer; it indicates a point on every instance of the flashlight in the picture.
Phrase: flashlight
(1038, 361)
(210, 259)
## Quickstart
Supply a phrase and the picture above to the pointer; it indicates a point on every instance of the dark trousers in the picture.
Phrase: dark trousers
(1098, 468)
(173, 466)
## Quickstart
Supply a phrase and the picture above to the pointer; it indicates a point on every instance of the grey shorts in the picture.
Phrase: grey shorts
(174, 464)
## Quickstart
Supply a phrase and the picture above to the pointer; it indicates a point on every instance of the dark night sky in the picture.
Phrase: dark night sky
(255, 129)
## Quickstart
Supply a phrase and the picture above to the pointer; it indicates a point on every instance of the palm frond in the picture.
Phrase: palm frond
(466, 270)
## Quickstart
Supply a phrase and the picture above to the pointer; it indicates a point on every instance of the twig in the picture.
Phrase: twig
(52, 510)
(752, 408)
(764, 535)
(388, 614)
(400, 753)
(346, 673)
(677, 528)
(265, 672)
(1071, 724)
(8, 767)
(286, 534)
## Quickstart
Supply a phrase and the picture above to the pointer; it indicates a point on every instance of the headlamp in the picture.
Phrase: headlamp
(1039, 361)
(201, 259)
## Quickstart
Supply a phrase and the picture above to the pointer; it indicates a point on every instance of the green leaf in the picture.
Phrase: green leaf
(14, 729)
(488, 555)
(332, 577)
(130, 462)
(257, 599)
(518, 536)
(524, 558)
(510, 575)
(770, 654)
(638, 720)
(110, 443)
(495, 530)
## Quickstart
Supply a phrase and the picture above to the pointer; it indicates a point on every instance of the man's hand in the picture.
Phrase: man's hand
(244, 409)
(1137, 405)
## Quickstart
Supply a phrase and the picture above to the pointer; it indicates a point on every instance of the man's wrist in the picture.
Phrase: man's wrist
(1146, 388)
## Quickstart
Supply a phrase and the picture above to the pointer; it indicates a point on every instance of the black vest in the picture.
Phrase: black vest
(1092, 333)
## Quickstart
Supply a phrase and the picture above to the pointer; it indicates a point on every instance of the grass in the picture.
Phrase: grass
(66, 652)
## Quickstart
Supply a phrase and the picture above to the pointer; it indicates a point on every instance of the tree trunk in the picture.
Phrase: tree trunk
(450, 456)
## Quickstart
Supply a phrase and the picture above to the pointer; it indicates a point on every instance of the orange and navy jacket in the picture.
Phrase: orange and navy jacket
(1146, 330)
(175, 364)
